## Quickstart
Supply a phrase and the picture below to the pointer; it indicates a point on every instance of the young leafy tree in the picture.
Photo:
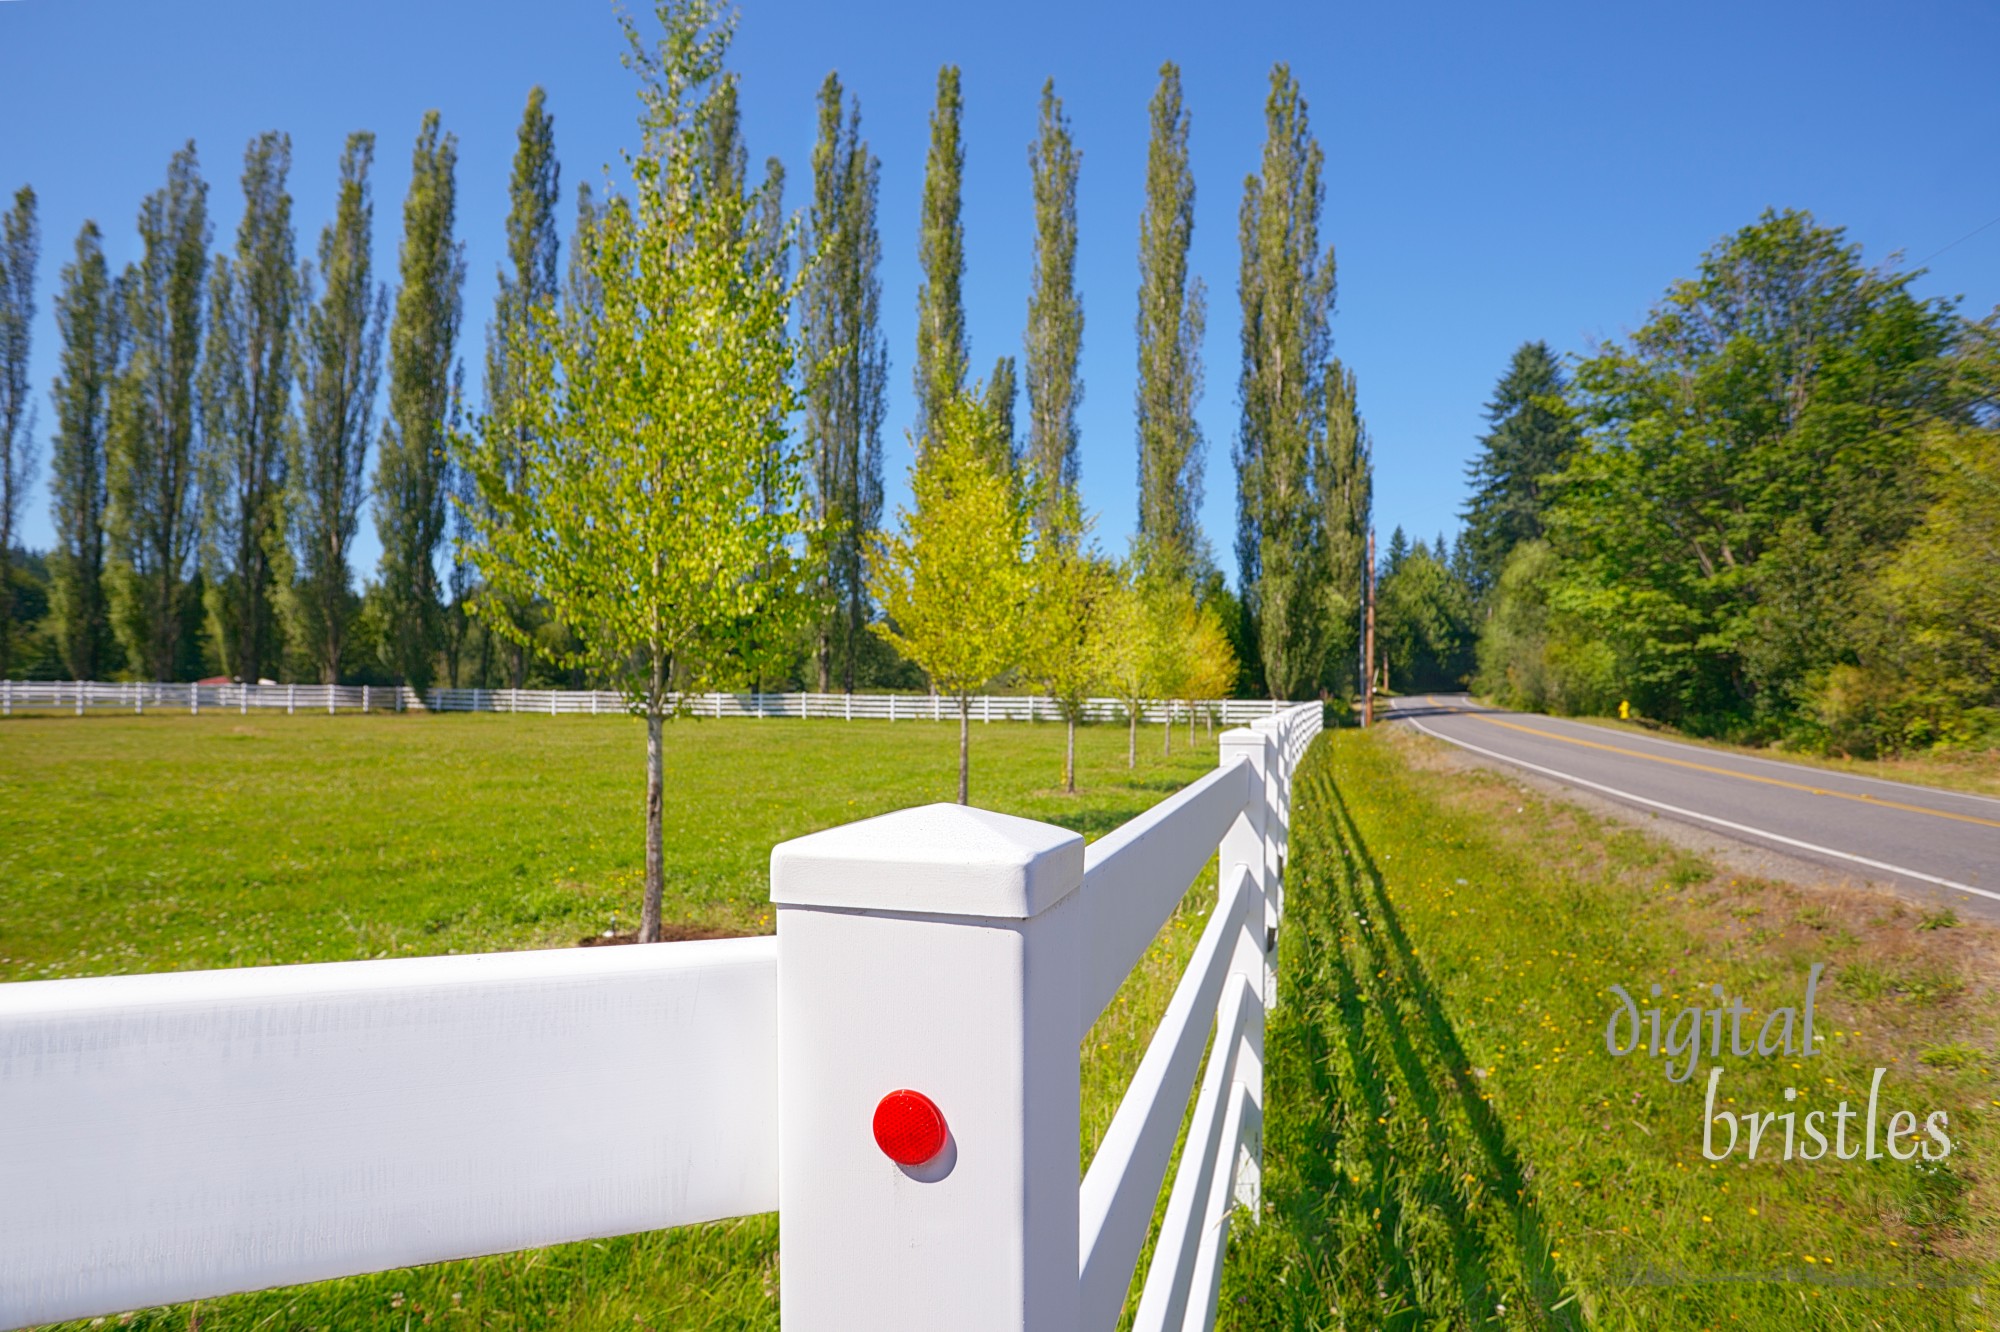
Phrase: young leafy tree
(246, 403)
(953, 582)
(90, 316)
(20, 246)
(841, 343)
(942, 357)
(527, 282)
(1212, 665)
(153, 515)
(1532, 433)
(411, 475)
(339, 364)
(1125, 631)
(1173, 314)
(1287, 288)
(650, 418)
(1062, 648)
(1055, 314)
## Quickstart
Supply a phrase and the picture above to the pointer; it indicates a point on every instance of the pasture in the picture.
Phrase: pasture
(171, 842)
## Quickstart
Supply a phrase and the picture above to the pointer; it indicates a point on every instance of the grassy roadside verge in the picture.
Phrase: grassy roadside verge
(166, 842)
(1451, 1145)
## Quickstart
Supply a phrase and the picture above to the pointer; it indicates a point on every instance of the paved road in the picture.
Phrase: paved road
(1937, 843)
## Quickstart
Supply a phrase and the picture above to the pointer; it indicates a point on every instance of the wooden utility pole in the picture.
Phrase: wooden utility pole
(1368, 641)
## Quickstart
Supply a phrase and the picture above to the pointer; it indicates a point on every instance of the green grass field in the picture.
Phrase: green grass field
(171, 842)
(1451, 1145)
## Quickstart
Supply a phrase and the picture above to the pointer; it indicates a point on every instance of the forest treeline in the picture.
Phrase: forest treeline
(1772, 513)
(227, 413)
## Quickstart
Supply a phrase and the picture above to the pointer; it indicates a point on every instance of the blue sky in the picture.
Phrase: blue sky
(1495, 173)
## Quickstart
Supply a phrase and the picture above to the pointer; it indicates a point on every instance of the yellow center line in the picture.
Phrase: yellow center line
(1730, 772)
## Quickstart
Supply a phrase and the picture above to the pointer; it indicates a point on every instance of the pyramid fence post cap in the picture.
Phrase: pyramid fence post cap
(950, 860)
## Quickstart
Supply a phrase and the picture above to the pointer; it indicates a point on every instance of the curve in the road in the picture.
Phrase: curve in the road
(1944, 858)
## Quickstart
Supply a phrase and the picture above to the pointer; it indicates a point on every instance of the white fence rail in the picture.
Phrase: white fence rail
(98, 696)
(79, 696)
(177, 1136)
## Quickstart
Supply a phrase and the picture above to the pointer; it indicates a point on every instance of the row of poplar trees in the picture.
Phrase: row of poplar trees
(214, 413)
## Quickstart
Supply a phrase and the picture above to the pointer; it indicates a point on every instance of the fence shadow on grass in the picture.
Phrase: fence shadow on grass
(1391, 1179)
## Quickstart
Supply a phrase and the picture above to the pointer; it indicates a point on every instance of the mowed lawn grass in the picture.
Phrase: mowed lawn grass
(156, 843)
(172, 842)
(1449, 1144)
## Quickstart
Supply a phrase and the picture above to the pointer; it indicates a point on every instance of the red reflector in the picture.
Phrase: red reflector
(909, 1128)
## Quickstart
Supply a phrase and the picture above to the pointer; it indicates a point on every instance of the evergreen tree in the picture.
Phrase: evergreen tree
(20, 246)
(246, 402)
(1173, 312)
(90, 316)
(153, 489)
(339, 352)
(1055, 314)
(527, 283)
(411, 465)
(1287, 288)
(848, 363)
(1531, 437)
(942, 356)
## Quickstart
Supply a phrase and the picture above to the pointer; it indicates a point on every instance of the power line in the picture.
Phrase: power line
(1960, 241)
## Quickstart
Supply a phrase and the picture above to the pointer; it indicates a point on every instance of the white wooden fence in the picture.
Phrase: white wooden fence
(183, 1135)
(79, 696)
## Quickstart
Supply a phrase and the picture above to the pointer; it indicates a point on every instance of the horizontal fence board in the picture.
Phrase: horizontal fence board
(175, 1136)
(1134, 877)
(97, 696)
(1123, 1183)
(1163, 1300)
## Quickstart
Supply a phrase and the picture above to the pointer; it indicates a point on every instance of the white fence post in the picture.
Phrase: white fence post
(938, 951)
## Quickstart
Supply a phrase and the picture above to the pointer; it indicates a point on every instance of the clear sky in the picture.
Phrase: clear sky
(1495, 173)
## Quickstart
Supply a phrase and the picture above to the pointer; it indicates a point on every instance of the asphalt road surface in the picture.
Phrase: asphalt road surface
(1938, 844)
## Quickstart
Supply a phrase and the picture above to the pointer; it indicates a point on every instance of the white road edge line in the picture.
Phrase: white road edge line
(1801, 771)
(1707, 818)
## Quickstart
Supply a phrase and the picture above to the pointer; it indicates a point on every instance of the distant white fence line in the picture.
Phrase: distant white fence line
(185, 1135)
(82, 696)
(79, 696)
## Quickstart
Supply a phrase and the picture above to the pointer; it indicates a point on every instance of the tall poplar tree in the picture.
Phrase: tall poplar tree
(1055, 315)
(153, 492)
(942, 356)
(847, 360)
(527, 284)
(20, 246)
(1287, 289)
(90, 317)
(1173, 315)
(1345, 486)
(246, 403)
(411, 465)
(1002, 390)
(339, 351)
